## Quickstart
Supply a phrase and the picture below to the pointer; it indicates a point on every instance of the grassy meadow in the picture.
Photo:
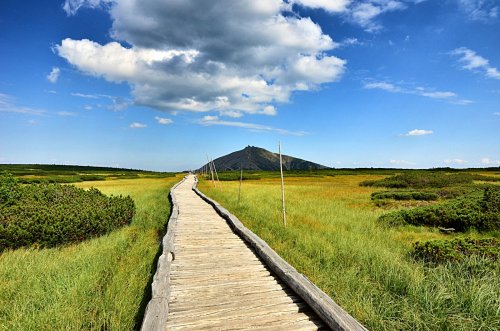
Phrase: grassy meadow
(334, 238)
(98, 284)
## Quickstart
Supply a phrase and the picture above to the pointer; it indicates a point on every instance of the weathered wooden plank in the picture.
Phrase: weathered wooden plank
(335, 317)
(156, 313)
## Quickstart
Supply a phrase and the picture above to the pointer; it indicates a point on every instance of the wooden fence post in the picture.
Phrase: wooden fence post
(282, 186)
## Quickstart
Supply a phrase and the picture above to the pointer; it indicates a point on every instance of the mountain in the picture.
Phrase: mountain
(255, 158)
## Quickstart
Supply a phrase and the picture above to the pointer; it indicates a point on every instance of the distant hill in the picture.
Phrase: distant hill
(255, 158)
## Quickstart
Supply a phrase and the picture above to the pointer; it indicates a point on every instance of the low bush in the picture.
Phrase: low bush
(480, 211)
(47, 215)
(456, 250)
(422, 179)
(404, 195)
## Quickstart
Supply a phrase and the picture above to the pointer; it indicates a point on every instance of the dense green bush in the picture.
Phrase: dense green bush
(8, 192)
(437, 251)
(480, 211)
(422, 179)
(47, 215)
(404, 195)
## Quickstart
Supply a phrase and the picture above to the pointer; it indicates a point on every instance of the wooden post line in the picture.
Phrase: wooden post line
(282, 186)
(215, 169)
(211, 170)
(241, 179)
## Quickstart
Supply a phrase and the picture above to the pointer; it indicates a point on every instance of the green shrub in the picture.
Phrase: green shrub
(9, 189)
(456, 250)
(422, 179)
(404, 195)
(47, 215)
(392, 219)
(480, 211)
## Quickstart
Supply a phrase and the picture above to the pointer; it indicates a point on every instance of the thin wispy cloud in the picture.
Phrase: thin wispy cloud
(447, 96)
(163, 121)
(137, 125)
(417, 132)
(488, 161)
(214, 120)
(332, 6)
(54, 75)
(8, 105)
(351, 42)
(71, 7)
(455, 161)
(255, 55)
(117, 103)
(402, 163)
(88, 96)
(479, 10)
(472, 61)
(66, 113)
(497, 113)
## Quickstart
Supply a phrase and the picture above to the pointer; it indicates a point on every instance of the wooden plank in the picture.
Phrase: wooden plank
(215, 280)
(331, 313)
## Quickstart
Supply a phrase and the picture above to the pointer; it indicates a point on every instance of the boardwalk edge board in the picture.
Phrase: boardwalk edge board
(155, 316)
(330, 312)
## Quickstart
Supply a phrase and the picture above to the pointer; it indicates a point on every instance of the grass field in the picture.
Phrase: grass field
(334, 239)
(99, 284)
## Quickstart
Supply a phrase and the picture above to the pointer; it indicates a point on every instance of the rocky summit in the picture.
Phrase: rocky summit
(255, 158)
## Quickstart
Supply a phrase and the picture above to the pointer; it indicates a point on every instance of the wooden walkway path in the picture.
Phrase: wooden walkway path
(218, 283)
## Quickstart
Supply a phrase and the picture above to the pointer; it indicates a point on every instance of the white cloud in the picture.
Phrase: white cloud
(455, 161)
(496, 113)
(137, 125)
(72, 6)
(239, 57)
(472, 61)
(364, 13)
(439, 95)
(351, 42)
(421, 91)
(88, 96)
(162, 120)
(382, 86)
(488, 161)
(66, 113)
(418, 132)
(479, 10)
(7, 104)
(402, 162)
(214, 120)
(332, 6)
(54, 75)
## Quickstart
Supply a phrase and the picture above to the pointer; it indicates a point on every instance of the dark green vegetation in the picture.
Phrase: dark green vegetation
(480, 211)
(47, 215)
(98, 284)
(427, 179)
(457, 250)
(405, 195)
(44, 173)
(466, 206)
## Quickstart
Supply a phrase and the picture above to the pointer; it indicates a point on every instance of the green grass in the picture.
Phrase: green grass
(334, 239)
(43, 173)
(99, 284)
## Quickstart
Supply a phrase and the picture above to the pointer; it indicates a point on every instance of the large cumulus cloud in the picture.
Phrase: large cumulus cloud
(233, 57)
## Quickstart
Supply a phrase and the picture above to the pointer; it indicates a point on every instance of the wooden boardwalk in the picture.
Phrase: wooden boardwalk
(218, 283)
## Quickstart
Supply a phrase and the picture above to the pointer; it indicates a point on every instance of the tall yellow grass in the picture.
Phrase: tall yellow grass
(332, 236)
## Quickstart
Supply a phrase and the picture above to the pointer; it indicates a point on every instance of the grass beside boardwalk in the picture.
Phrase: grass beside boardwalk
(99, 284)
(333, 237)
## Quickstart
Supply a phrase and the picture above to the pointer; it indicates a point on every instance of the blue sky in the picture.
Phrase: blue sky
(158, 84)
